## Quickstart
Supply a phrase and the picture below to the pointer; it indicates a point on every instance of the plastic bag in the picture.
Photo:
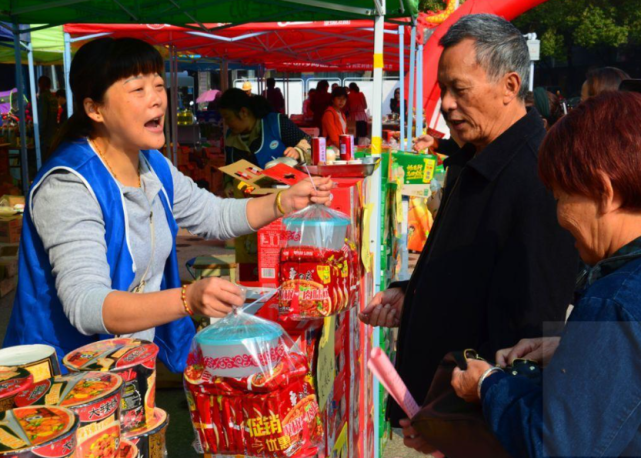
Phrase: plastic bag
(318, 267)
(249, 391)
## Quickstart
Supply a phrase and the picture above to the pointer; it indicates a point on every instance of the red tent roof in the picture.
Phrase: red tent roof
(283, 46)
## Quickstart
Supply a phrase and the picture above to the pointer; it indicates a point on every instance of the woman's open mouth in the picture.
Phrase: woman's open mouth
(154, 125)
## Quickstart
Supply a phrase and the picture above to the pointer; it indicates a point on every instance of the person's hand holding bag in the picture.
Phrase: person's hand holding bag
(303, 194)
(213, 297)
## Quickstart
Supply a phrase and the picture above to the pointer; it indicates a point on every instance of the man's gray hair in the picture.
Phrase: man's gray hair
(500, 47)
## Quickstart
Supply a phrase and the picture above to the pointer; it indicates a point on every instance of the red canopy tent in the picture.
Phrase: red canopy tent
(282, 46)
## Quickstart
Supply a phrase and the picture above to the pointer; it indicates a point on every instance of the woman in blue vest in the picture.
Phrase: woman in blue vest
(257, 134)
(98, 248)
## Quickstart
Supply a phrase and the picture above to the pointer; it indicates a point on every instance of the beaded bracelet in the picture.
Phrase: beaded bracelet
(183, 295)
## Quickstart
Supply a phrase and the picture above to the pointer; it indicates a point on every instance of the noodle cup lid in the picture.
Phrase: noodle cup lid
(248, 335)
(127, 450)
(72, 390)
(159, 421)
(25, 354)
(24, 428)
(14, 380)
(112, 355)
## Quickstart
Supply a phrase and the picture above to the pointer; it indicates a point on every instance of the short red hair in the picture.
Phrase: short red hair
(601, 136)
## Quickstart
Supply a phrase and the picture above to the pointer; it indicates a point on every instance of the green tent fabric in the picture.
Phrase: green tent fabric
(193, 11)
(48, 45)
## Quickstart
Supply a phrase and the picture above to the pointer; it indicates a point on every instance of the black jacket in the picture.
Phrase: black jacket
(496, 265)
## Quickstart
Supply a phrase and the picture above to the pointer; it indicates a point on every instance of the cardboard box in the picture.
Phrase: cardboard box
(271, 239)
(413, 168)
(10, 228)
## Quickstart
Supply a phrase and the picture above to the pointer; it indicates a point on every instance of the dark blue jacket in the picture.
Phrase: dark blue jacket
(589, 402)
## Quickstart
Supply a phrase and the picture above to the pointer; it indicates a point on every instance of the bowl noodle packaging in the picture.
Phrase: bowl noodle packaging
(13, 381)
(317, 267)
(40, 360)
(135, 361)
(96, 399)
(249, 391)
(38, 431)
(150, 440)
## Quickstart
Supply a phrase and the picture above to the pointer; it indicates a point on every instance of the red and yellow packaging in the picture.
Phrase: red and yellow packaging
(271, 415)
(96, 399)
(13, 381)
(135, 361)
(38, 432)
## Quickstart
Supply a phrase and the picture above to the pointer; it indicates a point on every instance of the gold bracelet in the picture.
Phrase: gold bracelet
(279, 204)
(183, 295)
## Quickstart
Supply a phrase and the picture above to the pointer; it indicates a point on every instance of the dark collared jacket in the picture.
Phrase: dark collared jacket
(496, 265)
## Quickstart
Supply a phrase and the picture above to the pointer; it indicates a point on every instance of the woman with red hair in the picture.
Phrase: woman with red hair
(587, 403)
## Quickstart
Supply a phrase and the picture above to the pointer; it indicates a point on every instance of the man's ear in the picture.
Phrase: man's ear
(512, 85)
(92, 109)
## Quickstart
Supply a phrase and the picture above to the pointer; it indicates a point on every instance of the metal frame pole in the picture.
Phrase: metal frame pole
(410, 99)
(401, 78)
(34, 106)
(24, 160)
(66, 56)
(419, 90)
(377, 197)
(377, 99)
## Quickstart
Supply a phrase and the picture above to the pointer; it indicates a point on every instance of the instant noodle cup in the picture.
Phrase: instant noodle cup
(241, 350)
(40, 360)
(127, 450)
(318, 226)
(96, 398)
(135, 361)
(13, 381)
(38, 431)
(150, 439)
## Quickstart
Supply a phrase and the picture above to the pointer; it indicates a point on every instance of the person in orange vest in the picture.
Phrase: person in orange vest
(334, 121)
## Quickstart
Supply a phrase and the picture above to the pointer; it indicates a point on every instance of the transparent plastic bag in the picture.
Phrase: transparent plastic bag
(250, 392)
(318, 267)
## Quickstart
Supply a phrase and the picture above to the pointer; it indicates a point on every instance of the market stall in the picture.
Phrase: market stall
(349, 400)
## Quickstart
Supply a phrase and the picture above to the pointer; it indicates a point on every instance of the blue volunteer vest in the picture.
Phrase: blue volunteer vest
(38, 316)
(272, 145)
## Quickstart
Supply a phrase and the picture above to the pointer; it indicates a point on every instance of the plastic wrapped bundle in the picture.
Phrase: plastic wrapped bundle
(250, 392)
(318, 269)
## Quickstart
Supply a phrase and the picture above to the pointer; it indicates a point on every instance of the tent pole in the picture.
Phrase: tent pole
(410, 99)
(34, 107)
(224, 75)
(377, 101)
(24, 161)
(401, 78)
(377, 197)
(66, 56)
(419, 91)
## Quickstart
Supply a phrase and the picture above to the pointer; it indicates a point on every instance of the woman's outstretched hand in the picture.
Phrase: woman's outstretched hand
(303, 194)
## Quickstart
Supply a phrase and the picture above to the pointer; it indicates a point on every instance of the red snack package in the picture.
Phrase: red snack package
(268, 409)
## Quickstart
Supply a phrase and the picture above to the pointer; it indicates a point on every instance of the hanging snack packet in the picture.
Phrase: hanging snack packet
(250, 392)
(317, 267)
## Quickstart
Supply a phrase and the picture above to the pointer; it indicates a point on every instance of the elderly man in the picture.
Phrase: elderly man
(496, 265)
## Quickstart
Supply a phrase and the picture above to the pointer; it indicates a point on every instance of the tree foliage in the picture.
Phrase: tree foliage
(561, 24)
